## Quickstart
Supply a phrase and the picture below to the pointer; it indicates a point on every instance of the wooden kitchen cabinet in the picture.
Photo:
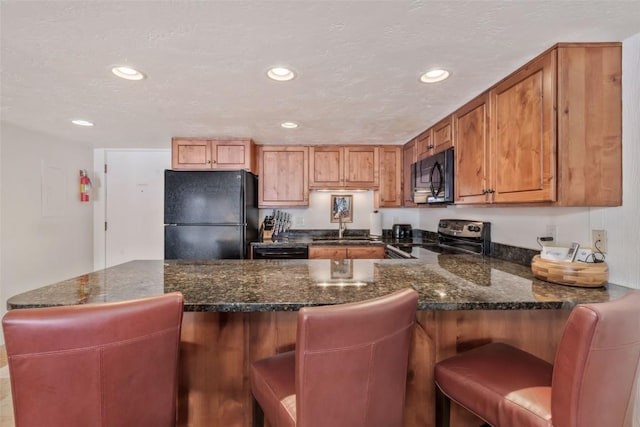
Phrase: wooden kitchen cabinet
(283, 178)
(442, 135)
(221, 154)
(589, 124)
(471, 126)
(523, 144)
(437, 138)
(349, 167)
(424, 143)
(327, 252)
(551, 132)
(408, 159)
(389, 194)
(346, 252)
(326, 166)
(365, 252)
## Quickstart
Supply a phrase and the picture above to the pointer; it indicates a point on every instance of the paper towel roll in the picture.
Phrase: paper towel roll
(375, 223)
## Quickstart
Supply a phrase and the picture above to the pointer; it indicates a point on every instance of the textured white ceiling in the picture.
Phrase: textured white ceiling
(357, 64)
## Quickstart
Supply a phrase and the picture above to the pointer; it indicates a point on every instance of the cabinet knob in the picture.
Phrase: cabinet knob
(209, 161)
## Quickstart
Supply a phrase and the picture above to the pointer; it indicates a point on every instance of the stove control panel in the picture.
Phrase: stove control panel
(464, 228)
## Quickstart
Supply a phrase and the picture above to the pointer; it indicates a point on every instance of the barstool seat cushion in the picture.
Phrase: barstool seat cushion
(500, 384)
(274, 385)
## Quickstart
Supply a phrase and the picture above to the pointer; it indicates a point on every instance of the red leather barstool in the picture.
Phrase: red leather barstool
(349, 368)
(590, 384)
(113, 364)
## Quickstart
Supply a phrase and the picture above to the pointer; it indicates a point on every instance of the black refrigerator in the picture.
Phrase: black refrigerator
(209, 214)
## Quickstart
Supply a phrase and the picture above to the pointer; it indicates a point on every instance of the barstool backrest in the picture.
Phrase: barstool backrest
(596, 365)
(351, 362)
(111, 364)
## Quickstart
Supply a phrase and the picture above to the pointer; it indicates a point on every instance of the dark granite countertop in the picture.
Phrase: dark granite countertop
(443, 281)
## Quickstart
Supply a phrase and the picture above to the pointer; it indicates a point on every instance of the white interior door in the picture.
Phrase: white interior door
(134, 198)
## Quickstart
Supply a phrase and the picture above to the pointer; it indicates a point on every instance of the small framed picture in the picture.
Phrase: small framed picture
(341, 207)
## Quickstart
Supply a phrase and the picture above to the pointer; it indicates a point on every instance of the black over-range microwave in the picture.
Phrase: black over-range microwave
(432, 178)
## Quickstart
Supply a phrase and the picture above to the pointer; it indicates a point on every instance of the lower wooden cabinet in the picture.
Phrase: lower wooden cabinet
(346, 252)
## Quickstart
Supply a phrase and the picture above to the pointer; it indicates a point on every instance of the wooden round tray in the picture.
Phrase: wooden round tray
(582, 274)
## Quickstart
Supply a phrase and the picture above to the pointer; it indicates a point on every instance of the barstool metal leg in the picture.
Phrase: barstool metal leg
(443, 408)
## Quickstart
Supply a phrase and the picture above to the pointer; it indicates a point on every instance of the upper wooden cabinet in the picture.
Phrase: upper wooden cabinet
(550, 132)
(283, 176)
(389, 194)
(437, 138)
(442, 135)
(424, 143)
(589, 124)
(471, 126)
(409, 157)
(523, 140)
(224, 154)
(351, 167)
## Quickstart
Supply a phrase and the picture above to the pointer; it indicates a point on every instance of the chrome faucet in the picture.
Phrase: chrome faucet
(341, 226)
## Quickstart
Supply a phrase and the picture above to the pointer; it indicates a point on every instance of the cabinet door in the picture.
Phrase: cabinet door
(326, 167)
(424, 143)
(408, 159)
(190, 153)
(472, 151)
(590, 125)
(232, 154)
(365, 252)
(523, 137)
(283, 176)
(442, 135)
(362, 167)
(327, 252)
(390, 193)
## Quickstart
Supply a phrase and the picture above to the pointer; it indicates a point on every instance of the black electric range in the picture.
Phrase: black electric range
(454, 236)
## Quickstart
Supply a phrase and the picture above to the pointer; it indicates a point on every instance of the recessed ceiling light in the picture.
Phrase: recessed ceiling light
(280, 74)
(289, 125)
(81, 122)
(435, 75)
(127, 73)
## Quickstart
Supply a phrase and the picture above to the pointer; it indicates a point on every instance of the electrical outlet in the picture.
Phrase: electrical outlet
(599, 240)
(552, 231)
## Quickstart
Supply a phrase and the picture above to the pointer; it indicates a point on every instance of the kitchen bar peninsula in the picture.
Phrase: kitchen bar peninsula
(237, 311)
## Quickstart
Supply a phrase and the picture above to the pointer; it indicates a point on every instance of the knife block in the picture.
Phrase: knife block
(267, 235)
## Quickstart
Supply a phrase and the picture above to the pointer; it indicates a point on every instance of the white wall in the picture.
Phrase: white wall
(623, 223)
(42, 242)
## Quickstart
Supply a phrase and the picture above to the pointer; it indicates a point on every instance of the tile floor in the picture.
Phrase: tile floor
(6, 408)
